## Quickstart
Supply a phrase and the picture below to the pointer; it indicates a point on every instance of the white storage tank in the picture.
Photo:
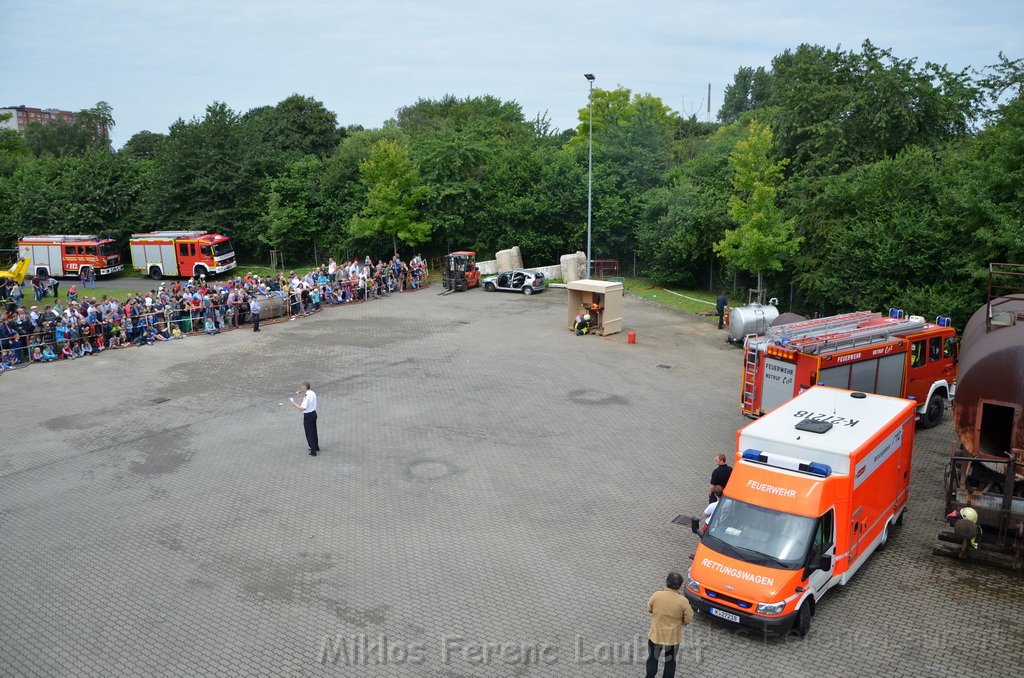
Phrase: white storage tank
(752, 319)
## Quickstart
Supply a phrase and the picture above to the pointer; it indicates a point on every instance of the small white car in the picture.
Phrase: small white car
(516, 280)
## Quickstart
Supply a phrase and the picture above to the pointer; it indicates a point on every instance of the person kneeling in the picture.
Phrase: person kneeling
(582, 325)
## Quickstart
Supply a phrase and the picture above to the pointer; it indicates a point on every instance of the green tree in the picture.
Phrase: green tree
(750, 90)
(13, 149)
(293, 220)
(764, 235)
(297, 126)
(143, 145)
(393, 193)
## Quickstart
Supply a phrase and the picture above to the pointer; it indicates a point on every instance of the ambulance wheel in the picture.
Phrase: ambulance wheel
(802, 625)
(154, 272)
(885, 536)
(933, 412)
(899, 518)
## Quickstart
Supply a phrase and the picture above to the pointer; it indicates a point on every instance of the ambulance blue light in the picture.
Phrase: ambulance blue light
(755, 455)
(823, 470)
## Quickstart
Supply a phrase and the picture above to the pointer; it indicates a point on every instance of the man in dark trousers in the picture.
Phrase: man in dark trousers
(670, 612)
(308, 409)
(254, 313)
(719, 477)
(720, 305)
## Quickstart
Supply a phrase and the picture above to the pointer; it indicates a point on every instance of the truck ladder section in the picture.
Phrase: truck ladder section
(749, 375)
(857, 336)
(818, 326)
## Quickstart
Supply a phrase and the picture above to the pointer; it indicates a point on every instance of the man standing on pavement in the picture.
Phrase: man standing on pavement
(254, 311)
(720, 305)
(670, 612)
(308, 409)
(719, 478)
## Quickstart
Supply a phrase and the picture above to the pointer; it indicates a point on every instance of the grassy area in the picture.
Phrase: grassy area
(682, 300)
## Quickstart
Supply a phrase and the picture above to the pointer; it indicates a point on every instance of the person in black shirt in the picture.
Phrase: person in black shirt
(720, 305)
(719, 478)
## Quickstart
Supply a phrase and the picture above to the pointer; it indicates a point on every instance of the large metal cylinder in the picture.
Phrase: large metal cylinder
(752, 319)
(988, 410)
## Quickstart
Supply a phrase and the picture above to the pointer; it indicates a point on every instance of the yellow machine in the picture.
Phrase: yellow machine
(16, 272)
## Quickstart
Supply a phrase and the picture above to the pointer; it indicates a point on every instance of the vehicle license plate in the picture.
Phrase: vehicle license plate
(722, 614)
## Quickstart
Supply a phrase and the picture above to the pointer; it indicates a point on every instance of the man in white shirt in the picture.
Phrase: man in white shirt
(308, 409)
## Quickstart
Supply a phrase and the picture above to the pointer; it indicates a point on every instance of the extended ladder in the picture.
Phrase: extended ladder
(818, 326)
(858, 336)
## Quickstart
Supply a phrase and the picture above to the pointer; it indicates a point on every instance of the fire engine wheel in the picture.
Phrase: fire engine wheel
(527, 290)
(489, 287)
(201, 272)
(933, 412)
(802, 625)
(154, 273)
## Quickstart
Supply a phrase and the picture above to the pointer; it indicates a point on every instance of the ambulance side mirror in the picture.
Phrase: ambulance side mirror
(824, 564)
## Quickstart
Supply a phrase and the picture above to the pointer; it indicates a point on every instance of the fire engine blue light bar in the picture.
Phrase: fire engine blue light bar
(815, 468)
(943, 321)
(755, 455)
(896, 313)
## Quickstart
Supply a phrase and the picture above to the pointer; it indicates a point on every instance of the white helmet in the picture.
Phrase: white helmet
(586, 317)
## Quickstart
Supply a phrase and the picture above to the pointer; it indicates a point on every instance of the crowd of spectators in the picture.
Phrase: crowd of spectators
(74, 327)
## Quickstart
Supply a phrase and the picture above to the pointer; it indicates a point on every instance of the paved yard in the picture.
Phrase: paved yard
(494, 498)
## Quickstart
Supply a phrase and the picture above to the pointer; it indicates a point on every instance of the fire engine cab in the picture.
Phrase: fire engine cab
(900, 356)
(60, 255)
(181, 253)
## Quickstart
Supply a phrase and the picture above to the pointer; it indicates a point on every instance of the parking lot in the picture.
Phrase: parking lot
(494, 498)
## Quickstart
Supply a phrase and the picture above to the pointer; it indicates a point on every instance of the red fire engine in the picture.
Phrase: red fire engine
(181, 253)
(59, 255)
(900, 356)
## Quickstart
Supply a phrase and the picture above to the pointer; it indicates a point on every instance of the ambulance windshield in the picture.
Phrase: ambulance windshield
(759, 535)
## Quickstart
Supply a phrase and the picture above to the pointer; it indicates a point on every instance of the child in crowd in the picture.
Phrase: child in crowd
(66, 353)
(37, 355)
(211, 328)
(48, 355)
(76, 350)
(86, 347)
(72, 293)
(176, 333)
(100, 342)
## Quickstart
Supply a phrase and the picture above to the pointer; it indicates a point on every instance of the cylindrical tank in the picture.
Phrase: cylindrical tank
(988, 410)
(753, 319)
(574, 266)
(273, 306)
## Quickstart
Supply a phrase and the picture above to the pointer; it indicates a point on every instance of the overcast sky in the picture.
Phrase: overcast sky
(157, 61)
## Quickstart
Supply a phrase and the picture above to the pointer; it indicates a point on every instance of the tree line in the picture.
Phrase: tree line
(847, 179)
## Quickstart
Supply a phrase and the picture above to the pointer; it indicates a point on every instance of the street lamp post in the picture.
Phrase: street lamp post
(590, 170)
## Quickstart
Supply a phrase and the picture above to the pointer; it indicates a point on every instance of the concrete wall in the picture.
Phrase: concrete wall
(576, 263)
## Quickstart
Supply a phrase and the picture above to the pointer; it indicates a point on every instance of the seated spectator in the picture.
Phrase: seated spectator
(66, 353)
(76, 350)
(210, 327)
(86, 347)
(37, 355)
(48, 355)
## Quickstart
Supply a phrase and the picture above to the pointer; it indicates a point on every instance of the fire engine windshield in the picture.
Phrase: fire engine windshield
(759, 535)
(108, 248)
(222, 248)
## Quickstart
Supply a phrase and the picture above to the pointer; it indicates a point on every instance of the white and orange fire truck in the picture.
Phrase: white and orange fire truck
(60, 255)
(900, 356)
(181, 253)
(817, 486)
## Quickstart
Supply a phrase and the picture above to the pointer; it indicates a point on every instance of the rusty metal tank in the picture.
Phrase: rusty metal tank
(988, 410)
